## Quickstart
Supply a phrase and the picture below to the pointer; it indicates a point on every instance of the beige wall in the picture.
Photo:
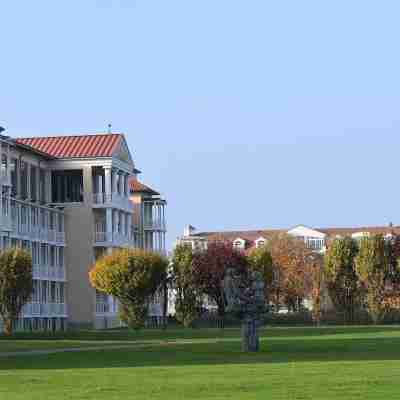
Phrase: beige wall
(79, 255)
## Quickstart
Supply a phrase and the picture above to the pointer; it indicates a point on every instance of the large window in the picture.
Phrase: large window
(34, 182)
(67, 186)
(4, 165)
(14, 172)
(24, 179)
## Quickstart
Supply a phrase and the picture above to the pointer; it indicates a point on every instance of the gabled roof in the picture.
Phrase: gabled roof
(81, 146)
(249, 236)
(140, 187)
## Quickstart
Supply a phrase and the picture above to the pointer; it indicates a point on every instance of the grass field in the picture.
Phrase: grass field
(295, 363)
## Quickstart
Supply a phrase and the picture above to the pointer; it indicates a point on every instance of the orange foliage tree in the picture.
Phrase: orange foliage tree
(291, 260)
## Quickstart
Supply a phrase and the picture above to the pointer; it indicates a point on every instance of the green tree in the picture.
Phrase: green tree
(260, 260)
(373, 269)
(340, 276)
(132, 276)
(16, 285)
(188, 298)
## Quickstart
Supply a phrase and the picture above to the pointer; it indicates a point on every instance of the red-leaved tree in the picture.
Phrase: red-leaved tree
(209, 268)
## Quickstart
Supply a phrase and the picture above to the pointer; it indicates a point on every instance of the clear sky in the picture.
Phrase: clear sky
(244, 114)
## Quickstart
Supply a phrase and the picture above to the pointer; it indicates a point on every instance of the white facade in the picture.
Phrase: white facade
(27, 221)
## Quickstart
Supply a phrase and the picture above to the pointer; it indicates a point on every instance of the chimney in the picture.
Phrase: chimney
(189, 230)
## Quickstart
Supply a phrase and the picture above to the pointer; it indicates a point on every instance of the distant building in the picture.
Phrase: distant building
(314, 238)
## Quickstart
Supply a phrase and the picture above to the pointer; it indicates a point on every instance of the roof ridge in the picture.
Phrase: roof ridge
(69, 136)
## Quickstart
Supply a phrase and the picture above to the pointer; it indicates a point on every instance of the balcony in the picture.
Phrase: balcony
(157, 224)
(5, 223)
(32, 232)
(116, 200)
(47, 272)
(111, 239)
(45, 309)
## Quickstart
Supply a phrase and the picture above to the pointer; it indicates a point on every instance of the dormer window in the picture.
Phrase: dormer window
(239, 244)
(260, 242)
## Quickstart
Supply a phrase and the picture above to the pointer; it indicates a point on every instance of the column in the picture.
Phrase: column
(8, 162)
(28, 180)
(18, 176)
(114, 181)
(38, 183)
(1, 160)
(48, 193)
(109, 223)
(107, 183)
(100, 187)
(122, 183)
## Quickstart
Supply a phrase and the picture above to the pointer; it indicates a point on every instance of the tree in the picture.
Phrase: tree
(316, 279)
(209, 268)
(290, 258)
(260, 260)
(373, 269)
(16, 285)
(133, 277)
(340, 276)
(188, 298)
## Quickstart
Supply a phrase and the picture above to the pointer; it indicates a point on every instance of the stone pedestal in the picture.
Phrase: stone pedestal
(250, 339)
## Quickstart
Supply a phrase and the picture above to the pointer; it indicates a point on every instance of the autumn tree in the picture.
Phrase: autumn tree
(260, 260)
(290, 258)
(209, 268)
(132, 276)
(373, 270)
(340, 276)
(315, 272)
(188, 298)
(16, 285)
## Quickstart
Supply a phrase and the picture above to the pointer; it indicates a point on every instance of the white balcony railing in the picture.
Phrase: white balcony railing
(113, 238)
(6, 223)
(45, 309)
(35, 233)
(47, 272)
(155, 225)
(116, 199)
(102, 308)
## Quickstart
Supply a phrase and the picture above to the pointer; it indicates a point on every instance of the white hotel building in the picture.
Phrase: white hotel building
(68, 200)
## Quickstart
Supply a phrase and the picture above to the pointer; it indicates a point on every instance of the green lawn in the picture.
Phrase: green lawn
(295, 363)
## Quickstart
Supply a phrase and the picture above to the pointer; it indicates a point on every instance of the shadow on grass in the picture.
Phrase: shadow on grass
(170, 334)
(223, 353)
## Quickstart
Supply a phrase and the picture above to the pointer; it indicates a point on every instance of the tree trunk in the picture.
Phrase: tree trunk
(250, 339)
(8, 327)
(165, 306)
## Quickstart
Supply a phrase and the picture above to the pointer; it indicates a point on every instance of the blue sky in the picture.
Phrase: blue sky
(245, 114)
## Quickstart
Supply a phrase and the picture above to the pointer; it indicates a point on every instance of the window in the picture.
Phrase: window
(33, 179)
(42, 185)
(4, 165)
(67, 186)
(24, 179)
(239, 244)
(13, 170)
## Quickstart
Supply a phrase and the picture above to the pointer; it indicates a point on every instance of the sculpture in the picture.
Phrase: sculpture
(245, 297)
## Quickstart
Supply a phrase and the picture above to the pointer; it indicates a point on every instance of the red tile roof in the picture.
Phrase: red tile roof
(251, 236)
(100, 145)
(137, 186)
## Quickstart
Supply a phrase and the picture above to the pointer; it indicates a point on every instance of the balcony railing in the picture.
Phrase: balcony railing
(6, 223)
(102, 308)
(36, 233)
(116, 199)
(48, 272)
(155, 225)
(113, 238)
(45, 309)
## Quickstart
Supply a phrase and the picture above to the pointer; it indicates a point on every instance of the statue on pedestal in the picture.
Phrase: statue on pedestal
(245, 297)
